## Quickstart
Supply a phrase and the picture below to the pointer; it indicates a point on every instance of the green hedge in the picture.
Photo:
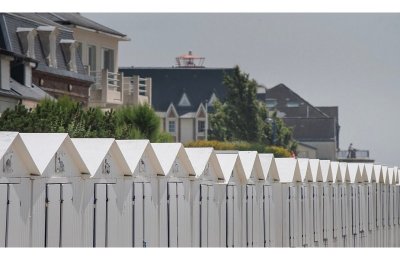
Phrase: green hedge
(241, 146)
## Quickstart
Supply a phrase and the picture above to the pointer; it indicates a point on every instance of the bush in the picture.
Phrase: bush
(241, 146)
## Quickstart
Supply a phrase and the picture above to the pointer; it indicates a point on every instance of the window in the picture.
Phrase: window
(292, 104)
(201, 126)
(79, 49)
(108, 59)
(92, 57)
(184, 102)
(271, 102)
(171, 126)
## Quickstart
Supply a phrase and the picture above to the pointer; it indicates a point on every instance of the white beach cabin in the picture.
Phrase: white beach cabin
(102, 185)
(206, 197)
(317, 202)
(290, 178)
(232, 230)
(56, 189)
(345, 204)
(306, 210)
(327, 195)
(271, 200)
(371, 204)
(174, 194)
(140, 194)
(15, 191)
(355, 182)
(336, 205)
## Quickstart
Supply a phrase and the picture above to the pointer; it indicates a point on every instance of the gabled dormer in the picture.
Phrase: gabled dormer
(184, 101)
(68, 48)
(48, 40)
(26, 37)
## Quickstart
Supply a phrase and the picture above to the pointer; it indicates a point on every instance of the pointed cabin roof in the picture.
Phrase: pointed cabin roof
(9, 139)
(228, 162)
(384, 174)
(288, 170)
(167, 154)
(316, 170)
(336, 175)
(269, 166)
(390, 176)
(369, 171)
(354, 172)
(364, 175)
(305, 170)
(93, 151)
(326, 170)
(378, 173)
(133, 150)
(344, 171)
(250, 162)
(200, 157)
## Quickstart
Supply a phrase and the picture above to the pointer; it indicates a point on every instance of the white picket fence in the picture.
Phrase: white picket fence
(57, 191)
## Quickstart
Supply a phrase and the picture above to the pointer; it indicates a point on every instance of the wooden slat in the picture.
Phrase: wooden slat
(249, 215)
(100, 215)
(149, 232)
(138, 214)
(3, 214)
(230, 216)
(204, 215)
(172, 215)
(67, 216)
(53, 225)
(292, 216)
(183, 216)
(113, 220)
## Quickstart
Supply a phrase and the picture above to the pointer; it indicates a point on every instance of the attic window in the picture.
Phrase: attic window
(213, 98)
(69, 49)
(48, 37)
(292, 104)
(271, 102)
(184, 102)
(26, 37)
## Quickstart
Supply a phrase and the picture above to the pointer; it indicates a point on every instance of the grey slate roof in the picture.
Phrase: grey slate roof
(32, 93)
(9, 41)
(312, 129)
(169, 84)
(76, 19)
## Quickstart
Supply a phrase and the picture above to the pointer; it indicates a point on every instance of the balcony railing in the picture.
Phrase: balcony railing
(354, 154)
(107, 89)
(137, 90)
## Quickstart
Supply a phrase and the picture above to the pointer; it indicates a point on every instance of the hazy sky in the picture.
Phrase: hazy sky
(346, 60)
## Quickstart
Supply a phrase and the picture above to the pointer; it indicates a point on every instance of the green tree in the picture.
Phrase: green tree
(241, 117)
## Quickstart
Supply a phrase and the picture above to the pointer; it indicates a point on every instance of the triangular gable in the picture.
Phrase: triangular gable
(326, 170)
(133, 151)
(42, 154)
(395, 175)
(344, 171)
(369, 171)
(336, 175)
(93, 151)
(364, 175)
(167, 154)
(268, 166)
(384, 174)
(305, 170)
(171, 111)
(251, 163)
(316, 170)
(354, 172)
(11, 143)
(288, 170)
(378, 173)
(201, 111)
(184, 101)
(398, 177)
(230, 162)
(200, 158)
(390, 177)
(213, 98)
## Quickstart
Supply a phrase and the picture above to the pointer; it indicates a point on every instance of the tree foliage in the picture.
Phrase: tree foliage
(65, 115)
(241, 117)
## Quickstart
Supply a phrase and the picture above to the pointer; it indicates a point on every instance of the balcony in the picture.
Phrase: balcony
(137, 90)
(354, 156)
(107, 90)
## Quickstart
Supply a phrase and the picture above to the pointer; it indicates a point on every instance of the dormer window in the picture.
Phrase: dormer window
(271, 102)
(48, 38)
(69, 49)
(184, 102)
(213, 98)
(26, 37)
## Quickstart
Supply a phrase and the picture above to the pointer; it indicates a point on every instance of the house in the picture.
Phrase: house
(59, 70)
(315, 128)
(182, 95)
(97, 45)
(16, 87)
